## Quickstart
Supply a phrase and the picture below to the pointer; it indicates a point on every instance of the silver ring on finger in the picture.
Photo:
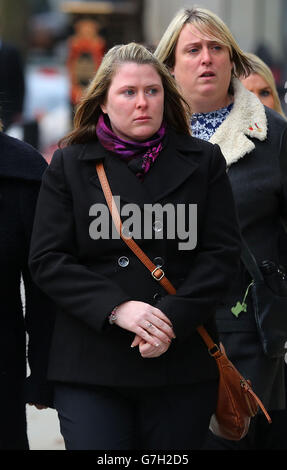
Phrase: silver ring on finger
(149, 325)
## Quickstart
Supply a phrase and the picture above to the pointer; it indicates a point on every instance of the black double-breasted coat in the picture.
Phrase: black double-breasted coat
(260, 190)
(21, 169)
(88, 277)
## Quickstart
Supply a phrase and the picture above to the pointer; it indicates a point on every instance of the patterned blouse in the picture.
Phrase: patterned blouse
(204, 125)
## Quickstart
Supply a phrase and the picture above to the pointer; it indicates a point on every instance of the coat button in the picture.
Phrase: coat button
(126, 232)
(157, 226)
(156, 297)
(123, 261)
(158, 261)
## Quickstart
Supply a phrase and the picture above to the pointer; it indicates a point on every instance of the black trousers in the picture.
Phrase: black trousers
(106, 418)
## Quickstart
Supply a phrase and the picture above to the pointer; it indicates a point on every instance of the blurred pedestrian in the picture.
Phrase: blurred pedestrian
(261, 82)
(85, 52)
(201, 53)
(161, 393)
(21, 169)
(12, 85)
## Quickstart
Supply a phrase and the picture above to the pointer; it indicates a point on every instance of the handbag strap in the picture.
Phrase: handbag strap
(156, 272)
(250, 262)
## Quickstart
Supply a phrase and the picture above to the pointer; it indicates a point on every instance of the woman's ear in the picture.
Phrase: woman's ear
(103, 108)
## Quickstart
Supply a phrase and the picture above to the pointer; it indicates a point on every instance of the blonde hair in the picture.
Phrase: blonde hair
(260, 68)
(211, 26)
(89, 109)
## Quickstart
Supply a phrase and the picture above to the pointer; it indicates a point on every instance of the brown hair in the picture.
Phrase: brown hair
(89, 109)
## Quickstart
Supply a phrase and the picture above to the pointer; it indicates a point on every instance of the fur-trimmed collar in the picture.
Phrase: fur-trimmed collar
(246, 119)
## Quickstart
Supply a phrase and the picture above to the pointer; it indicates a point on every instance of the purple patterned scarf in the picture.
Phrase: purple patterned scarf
(139, 155)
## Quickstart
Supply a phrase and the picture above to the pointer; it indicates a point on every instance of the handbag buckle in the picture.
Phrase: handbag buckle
(212, 351)
(157, 274)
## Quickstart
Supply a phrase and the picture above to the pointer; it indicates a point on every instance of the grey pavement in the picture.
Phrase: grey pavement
(43, 429)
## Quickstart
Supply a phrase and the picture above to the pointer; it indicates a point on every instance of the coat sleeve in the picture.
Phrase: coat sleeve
(55, 267)
(217, 259)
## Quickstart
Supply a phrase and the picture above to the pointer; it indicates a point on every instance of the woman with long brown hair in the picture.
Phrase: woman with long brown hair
(129, 368)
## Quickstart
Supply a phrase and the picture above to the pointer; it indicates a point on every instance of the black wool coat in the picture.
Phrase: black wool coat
(259, 185)
(21, 169)
(88, 277)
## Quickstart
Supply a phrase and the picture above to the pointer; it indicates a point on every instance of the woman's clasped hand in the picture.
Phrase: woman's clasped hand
(152, 327)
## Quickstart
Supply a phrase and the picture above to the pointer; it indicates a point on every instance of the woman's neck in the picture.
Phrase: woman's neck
(207, 106)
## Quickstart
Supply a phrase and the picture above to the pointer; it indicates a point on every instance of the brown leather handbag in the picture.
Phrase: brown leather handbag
(236, 402)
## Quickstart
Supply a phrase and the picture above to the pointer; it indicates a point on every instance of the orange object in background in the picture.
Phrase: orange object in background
(86, 50)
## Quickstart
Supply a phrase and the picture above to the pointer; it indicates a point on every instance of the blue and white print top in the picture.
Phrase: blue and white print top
(204, 125)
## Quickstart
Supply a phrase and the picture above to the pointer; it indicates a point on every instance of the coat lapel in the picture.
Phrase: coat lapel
(173, 166)
(122, 181)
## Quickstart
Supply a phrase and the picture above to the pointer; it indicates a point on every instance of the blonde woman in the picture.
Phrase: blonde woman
(261, 82)
(160, 393)
(202, 54)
